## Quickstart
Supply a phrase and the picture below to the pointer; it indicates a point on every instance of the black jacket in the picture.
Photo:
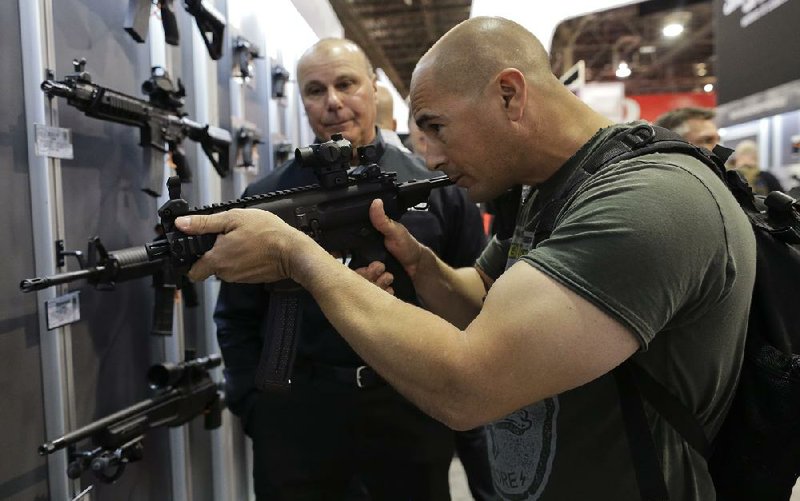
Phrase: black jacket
(451, 227)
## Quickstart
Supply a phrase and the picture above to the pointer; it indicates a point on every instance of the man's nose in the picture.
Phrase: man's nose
(434, 156)
(333, 99)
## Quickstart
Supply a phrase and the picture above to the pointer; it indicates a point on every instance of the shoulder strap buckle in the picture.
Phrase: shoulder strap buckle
(638, 136)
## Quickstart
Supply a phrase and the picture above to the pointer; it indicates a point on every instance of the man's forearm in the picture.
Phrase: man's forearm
(454, 294)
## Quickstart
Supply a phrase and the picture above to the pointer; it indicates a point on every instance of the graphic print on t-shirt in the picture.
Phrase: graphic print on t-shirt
(521, 450)
(522, 445)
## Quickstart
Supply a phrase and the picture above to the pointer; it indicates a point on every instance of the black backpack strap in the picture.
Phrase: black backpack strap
(627, 144)
(649, 476)
(670, 408)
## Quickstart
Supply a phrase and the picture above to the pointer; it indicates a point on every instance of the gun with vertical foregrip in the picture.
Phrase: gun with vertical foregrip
(160, 120)
(335, 213)
(184, 391)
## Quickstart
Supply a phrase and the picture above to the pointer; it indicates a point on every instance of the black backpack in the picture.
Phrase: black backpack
(756, 455)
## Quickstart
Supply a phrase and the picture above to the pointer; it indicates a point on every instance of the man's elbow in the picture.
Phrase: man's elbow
(463, 405)
(462, 416)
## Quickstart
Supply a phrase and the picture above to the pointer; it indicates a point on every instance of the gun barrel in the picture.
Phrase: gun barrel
(95, 427)
(122, 265)
(39, 283)
(53, 88)
(414, 192)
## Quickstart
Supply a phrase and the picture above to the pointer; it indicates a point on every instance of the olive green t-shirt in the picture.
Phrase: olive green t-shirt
(659, 244)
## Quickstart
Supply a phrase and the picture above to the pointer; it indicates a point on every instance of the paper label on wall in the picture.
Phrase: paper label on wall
(63, 310)
(54, 142)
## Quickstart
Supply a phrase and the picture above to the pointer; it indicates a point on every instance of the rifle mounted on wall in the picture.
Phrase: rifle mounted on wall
(162, 124)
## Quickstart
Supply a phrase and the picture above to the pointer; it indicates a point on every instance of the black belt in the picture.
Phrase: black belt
(361, 377)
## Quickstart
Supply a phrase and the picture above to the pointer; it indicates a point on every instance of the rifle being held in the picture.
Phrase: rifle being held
(335, 213)
(103, 269)
(160, 120)
(183, 392)
(209, 21)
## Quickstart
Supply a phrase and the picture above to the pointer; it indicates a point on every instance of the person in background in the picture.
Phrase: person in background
(650, 263)
(696, 125)
(341, 432)
(386, 121)
(745, 160)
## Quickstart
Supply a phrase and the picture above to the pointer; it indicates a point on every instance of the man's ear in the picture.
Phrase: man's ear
(514, 92)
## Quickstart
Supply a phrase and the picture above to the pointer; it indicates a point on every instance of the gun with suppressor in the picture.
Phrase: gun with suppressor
(103, 269)
(184, 391)
(209, 21)
(160, 120)
(335, 213)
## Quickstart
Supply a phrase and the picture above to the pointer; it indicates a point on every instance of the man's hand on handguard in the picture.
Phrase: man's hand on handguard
(252, 246)
(404, 247)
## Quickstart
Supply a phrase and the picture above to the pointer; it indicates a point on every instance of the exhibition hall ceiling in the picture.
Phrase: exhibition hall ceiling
(395, 33)
(634, 37)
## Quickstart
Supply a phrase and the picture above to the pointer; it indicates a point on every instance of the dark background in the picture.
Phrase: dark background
(761, 56)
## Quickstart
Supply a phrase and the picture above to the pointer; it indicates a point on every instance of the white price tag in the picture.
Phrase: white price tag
(54, 142)
(63, 310)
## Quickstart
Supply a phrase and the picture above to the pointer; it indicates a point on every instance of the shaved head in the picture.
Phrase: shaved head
(329, 48)
(467, 57)
(485, 91)
(337, 86)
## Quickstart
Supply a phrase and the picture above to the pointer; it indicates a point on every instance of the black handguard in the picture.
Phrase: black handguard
(335, 213)
(183, 392)
(104, 269)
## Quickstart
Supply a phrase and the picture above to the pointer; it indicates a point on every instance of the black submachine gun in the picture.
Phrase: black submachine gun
(335, 213)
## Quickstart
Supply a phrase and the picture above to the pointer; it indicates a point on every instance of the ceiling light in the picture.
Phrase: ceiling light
(623, 70)
(708, 87)
(675, 23)
(672, 30)
(647, 49)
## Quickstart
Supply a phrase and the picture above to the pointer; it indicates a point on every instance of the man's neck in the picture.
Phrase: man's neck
(564, 137)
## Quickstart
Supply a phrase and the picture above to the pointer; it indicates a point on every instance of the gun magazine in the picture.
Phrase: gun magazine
(280, 342)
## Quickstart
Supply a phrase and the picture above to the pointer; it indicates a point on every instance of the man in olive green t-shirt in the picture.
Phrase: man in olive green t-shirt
(652, 260)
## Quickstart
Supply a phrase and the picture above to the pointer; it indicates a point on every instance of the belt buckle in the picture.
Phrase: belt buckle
(359, 370)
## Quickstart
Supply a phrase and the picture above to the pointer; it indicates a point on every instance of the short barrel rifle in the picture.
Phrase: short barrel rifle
(334, 212)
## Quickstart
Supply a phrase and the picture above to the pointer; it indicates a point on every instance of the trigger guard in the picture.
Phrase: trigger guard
(358, 260)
